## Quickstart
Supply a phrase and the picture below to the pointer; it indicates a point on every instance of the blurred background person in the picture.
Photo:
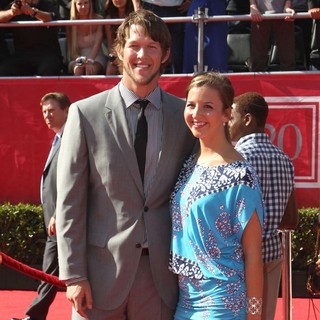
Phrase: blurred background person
(55, 107)
(84, 41)
(4, 51)
(64, 9)
(276, 173)
(115, 9)
(6, 10)
(282, 30)
(215, 54)
(314, 11)
(305, 27)
(238, 7)
(36, 49)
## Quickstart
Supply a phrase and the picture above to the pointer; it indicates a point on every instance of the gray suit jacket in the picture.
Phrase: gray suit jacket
(101, 211)
(49, 188)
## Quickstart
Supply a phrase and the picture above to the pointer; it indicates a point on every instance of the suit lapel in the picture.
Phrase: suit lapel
(47, 166)
(171, 126)
(116, 119)
(172, 123)
(52, 154)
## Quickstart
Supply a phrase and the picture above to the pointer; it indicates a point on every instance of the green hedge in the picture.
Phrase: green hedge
(304, 238)
(22, 232)
(23, 237)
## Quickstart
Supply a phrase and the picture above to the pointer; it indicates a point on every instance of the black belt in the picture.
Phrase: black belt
(145, 252)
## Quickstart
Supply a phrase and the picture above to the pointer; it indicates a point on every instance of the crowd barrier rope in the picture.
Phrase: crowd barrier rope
(29, 271)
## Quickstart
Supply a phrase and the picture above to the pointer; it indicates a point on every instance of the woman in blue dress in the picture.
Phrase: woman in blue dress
(217, 215)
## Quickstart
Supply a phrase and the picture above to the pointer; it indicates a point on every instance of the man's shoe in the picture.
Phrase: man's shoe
(27, 318)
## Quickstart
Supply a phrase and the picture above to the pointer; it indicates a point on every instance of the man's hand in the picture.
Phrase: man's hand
(314, 13)
(79, 294)
(292, 13)
(26, 9)
(16, 9)
(255, 13)
(52, 227)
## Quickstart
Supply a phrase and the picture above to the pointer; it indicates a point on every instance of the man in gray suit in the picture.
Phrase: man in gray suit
(55, 108)
(113, 221)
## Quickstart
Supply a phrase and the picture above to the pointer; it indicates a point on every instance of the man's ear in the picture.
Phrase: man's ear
(247, 119)
(166, 56)
(119, 54)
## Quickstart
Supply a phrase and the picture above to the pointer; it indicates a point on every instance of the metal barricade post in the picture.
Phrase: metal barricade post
(286, 282)
(200, 17)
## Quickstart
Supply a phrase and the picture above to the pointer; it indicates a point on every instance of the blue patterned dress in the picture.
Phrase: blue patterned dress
(210, 208)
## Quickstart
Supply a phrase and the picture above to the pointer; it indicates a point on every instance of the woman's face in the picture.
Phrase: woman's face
(83, 7)
(119, 3)
(204, 113)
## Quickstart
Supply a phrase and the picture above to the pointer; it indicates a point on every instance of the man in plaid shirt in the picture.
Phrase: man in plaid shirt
(276, 173)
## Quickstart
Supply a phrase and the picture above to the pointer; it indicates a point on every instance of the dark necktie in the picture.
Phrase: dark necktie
(140, 142)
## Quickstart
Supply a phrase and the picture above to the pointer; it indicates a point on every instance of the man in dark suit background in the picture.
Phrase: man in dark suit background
(113, 220)
(55, 108)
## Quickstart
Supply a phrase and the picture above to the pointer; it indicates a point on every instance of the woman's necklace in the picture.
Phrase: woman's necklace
(210, 160)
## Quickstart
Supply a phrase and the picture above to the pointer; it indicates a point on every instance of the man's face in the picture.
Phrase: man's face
(141, 58)
(236, 124)
(53, 115)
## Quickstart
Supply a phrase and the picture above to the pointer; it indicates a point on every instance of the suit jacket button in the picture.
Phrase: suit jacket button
(138, 245)
(145, 209)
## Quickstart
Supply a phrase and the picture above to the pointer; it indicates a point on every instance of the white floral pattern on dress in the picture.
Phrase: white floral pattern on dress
(210, 207)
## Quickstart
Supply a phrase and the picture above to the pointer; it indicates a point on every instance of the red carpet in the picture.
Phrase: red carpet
(14, 303)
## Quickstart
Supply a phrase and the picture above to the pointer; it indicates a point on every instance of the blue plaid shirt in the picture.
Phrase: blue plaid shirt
(276, 173)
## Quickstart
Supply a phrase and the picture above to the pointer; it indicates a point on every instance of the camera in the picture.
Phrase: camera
(111, 57)
(80, 61)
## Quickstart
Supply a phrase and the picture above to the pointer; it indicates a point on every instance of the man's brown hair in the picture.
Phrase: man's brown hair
(60, 97)
(153, 26)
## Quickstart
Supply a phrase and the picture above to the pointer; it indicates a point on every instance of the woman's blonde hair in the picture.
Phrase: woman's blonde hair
(218, 82)
(72, 31)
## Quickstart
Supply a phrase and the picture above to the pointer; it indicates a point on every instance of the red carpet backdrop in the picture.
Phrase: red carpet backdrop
(293, 125)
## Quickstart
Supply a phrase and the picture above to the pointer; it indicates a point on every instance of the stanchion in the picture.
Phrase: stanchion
(286, 275)
(200, 17)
